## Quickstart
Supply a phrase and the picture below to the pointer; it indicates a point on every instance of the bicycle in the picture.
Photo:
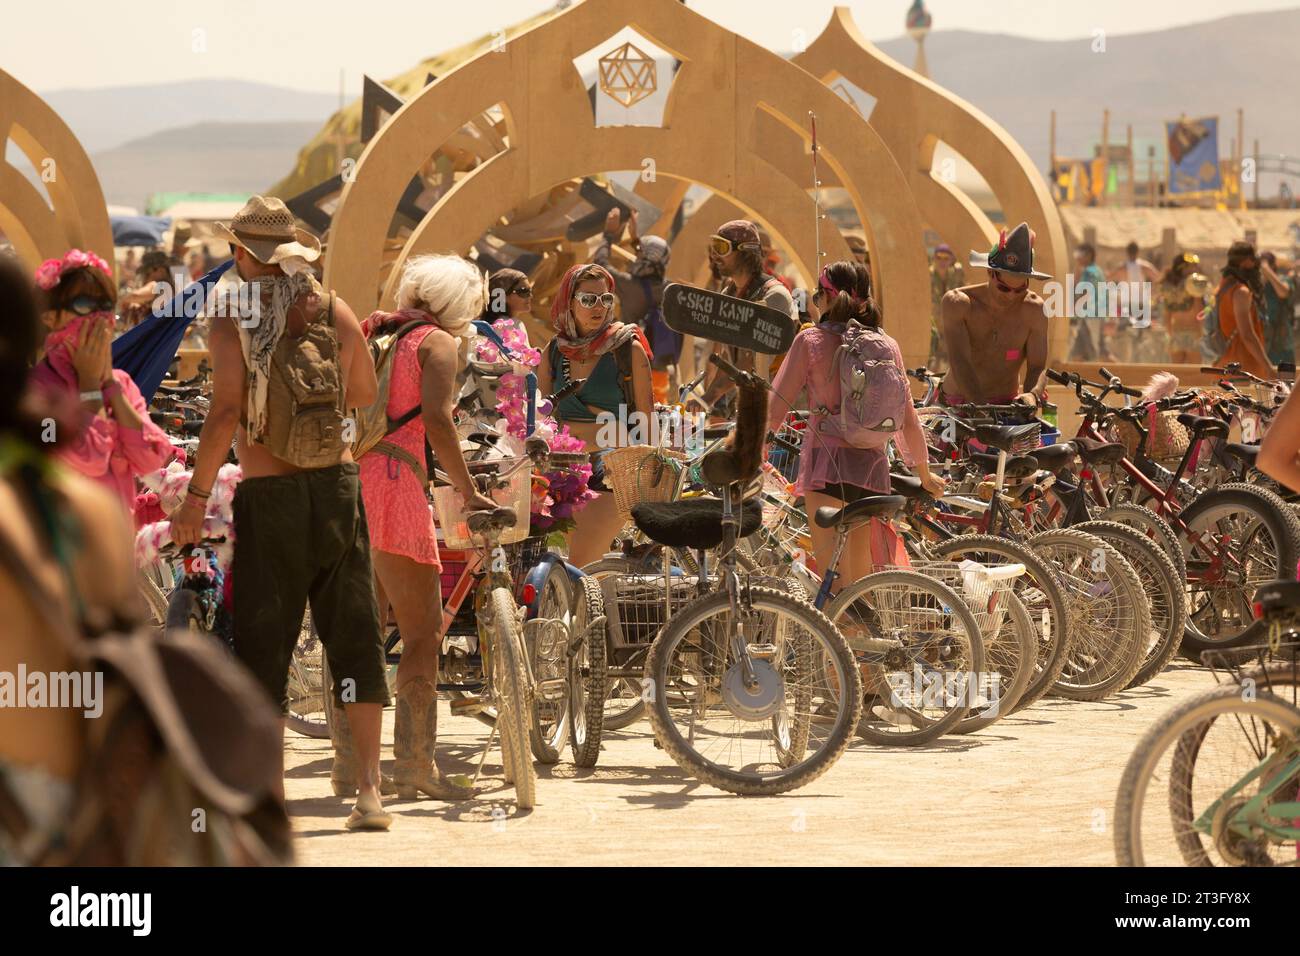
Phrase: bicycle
(1233, 537)
(751, 690)
(1224, 765)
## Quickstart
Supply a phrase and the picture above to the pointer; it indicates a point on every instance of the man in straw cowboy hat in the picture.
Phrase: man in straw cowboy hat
(283, 380)
(994, 329)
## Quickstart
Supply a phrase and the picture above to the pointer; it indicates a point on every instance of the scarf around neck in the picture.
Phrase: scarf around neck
(277, 294)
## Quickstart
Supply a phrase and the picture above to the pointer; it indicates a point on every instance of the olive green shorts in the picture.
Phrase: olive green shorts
(302, 538)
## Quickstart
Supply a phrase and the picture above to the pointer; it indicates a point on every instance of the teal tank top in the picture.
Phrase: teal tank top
(602, 389)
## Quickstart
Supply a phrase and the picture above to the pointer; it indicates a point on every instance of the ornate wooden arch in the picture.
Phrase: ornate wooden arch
(911, 115)
(722, 95)
(79, 217)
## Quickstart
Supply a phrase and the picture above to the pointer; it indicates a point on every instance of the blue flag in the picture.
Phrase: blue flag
(146, 351)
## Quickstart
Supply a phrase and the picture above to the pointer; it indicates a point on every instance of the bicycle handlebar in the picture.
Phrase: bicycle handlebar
(1117, 386)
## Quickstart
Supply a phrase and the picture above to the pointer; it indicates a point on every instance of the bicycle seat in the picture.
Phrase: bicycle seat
(1054, 458)
(1278, 597)
(1006, 436)
(1242, 452)
(1203, 426)
(1018, 466)
(874, 506)
(692, 522)
(909, 487)
(1094, 452)
(497, 519)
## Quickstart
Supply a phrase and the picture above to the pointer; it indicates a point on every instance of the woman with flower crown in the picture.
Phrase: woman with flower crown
(446, 292)
(118, 441)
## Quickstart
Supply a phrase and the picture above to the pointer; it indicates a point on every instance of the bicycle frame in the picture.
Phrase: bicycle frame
(1278, 820)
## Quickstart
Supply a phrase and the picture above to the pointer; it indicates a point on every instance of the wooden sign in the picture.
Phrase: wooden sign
(726, 319)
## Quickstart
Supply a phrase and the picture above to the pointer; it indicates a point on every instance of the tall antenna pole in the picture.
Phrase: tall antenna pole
(817, 199)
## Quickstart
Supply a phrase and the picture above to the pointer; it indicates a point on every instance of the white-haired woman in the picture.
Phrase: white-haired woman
(439, 297)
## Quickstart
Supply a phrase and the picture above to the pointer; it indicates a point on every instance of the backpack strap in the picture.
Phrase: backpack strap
(623, 357)
(395, 423)
(392, 450)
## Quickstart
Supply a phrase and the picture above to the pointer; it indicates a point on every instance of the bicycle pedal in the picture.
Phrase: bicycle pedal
(467, 706)
(552, 689)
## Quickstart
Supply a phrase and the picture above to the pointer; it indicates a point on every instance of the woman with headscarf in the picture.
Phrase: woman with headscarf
(117, 441)
(614, 359)
(445, 293)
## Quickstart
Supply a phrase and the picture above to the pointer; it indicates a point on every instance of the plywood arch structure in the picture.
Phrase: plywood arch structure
(912, 114)
(723, 87)
(79, 217)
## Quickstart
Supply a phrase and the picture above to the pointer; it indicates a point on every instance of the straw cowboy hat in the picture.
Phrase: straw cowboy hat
(269, 231)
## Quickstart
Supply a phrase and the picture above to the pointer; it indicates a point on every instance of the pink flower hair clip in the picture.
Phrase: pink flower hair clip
(51, 271)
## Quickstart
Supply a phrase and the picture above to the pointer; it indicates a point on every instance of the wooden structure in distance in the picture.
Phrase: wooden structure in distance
(724, 99)
(79, 217)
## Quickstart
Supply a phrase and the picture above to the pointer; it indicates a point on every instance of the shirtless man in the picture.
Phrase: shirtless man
(300, 531)
(994, 329)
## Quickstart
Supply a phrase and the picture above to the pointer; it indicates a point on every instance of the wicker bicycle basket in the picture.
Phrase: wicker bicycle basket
(1167, 442)
(642, 473)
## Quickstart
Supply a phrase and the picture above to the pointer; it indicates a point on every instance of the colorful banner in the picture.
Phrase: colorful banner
(1193, 147)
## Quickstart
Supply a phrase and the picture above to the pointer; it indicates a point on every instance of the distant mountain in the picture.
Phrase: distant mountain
(1207, 69)
(108, 117)
(205, 157)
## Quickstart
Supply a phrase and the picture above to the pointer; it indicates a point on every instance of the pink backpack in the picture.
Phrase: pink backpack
(874, 394)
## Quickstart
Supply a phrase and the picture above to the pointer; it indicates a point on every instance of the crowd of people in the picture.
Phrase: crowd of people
(315, 527)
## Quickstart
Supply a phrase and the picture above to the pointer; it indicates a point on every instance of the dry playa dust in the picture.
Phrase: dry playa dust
(1035, 789)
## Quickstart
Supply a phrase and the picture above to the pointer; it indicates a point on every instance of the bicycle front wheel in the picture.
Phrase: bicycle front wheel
(514, 697)
(1189, 790)
(551, 716)
(756, 704)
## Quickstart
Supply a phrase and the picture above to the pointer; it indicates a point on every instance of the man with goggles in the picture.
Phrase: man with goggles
(994, 329)
(736, 252)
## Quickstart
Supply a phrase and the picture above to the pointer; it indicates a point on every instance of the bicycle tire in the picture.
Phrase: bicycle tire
(587, 676)
(1016, 647)
(950, 602)
(551, 721)
(299, 723)
(1169, 731)
(1115, 662)
(810, 621)
(1159, 577)
(1039, 589)
(1153, 526)
(510, 679)
(620, 716)
(1274, 517)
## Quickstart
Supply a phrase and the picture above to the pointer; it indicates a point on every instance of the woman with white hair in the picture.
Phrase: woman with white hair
(439, 297)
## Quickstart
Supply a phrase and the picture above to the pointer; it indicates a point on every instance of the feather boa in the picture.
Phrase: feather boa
(1162, 385)
(170, 485)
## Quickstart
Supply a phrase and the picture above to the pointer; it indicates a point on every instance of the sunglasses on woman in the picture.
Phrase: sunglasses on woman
(589, 300)
(86, 304)
(522, 291)
(997, 277)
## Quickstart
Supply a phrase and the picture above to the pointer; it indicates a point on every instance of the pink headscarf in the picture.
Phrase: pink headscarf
(610, 335)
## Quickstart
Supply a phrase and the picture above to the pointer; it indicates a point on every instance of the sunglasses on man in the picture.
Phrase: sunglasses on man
(86, 304)
(589, 300)
(1003, 287)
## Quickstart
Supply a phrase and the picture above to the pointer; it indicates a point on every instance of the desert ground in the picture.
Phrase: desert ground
(1037, 789)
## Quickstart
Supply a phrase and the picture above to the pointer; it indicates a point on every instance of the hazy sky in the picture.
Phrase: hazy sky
(58, 44)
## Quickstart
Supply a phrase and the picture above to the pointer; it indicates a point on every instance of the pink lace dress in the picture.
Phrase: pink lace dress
(398, 513)
(826, 459)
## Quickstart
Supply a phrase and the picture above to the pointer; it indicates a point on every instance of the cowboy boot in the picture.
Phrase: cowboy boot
(415, 734)
(343, 772)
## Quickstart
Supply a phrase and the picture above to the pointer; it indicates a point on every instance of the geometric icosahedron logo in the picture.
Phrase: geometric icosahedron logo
(628, 75)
